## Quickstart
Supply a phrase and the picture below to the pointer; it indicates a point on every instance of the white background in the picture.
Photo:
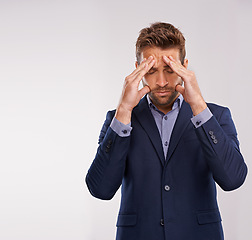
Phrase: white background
(62, 65)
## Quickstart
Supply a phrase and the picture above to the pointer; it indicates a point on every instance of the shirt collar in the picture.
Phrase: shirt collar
(177, 103)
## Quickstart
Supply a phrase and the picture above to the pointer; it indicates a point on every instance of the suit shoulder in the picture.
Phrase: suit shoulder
(110, 114)
(220, 112)
(215, 108)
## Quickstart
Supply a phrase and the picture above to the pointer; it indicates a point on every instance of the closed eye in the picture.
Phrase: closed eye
(169, 71)
(152, 71)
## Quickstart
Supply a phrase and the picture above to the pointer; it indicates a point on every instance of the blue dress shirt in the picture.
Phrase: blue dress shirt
(165, 122)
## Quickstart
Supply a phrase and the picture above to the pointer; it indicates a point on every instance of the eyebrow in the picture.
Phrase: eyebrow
(166, 67)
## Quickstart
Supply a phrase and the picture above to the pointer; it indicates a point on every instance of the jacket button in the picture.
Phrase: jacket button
(210, 132)
(162, 222)
(215, 141)
(213, 137)
(167, 188)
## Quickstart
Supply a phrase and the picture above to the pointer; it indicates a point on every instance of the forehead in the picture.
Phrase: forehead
(158, 53)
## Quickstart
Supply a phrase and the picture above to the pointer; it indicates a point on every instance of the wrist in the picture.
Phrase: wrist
(198, 107)
(123, 114)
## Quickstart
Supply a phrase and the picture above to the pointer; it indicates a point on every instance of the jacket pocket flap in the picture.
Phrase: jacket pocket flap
(209, 217)
(126, 220)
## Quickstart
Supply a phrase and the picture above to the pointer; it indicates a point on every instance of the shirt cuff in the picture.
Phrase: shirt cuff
(201, 118)
(121, 129)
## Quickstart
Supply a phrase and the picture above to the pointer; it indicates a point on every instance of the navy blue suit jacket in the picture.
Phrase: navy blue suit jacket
(172, 198)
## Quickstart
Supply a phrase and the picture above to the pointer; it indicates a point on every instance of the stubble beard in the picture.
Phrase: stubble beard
(163, 101)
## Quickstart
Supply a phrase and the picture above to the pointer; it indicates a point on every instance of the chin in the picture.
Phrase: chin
(163, 101)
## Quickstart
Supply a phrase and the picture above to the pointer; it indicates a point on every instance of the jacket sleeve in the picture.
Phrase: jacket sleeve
(106, 172)
(221, 150)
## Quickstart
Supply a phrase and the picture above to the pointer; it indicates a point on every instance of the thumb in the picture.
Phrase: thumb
(180, 89)
(143, 91)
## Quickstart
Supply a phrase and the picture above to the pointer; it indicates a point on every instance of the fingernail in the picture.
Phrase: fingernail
(143, 60)
(150, 57)
(166, 58)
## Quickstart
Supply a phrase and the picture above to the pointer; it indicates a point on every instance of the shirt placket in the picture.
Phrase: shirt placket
(164, 137)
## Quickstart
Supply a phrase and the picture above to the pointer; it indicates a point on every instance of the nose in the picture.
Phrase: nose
(161, 80)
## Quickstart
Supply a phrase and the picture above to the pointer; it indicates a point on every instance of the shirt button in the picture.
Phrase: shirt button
(124, 131)
(165, 117)
(166, 143)
(162, 222)
(167, 188)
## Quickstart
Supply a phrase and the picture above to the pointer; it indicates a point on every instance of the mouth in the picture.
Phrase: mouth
(162, 93)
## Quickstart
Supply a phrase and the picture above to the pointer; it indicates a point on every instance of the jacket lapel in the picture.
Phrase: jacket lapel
(147, 121)
(183, 119)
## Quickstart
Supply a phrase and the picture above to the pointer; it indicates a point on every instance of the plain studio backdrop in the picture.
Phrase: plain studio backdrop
(62, 66)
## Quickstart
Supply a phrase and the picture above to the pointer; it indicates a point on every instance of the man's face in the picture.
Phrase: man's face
(161, 79)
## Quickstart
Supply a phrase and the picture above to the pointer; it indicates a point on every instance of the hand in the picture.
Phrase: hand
(190, 91)
(131, 95)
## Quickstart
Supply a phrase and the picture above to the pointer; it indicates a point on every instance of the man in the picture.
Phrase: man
(167, 148)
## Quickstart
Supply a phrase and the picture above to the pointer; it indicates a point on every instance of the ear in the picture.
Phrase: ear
(185, 63)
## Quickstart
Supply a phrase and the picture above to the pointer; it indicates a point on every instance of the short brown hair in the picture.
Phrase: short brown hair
(163, 35)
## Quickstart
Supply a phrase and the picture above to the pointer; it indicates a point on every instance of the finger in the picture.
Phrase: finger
(143, 91)
(173, 63)
(177, 67)
(141, 66)
(180, 89)
(146, 69)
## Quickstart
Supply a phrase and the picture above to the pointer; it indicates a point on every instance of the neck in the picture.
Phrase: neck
(165, 109)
